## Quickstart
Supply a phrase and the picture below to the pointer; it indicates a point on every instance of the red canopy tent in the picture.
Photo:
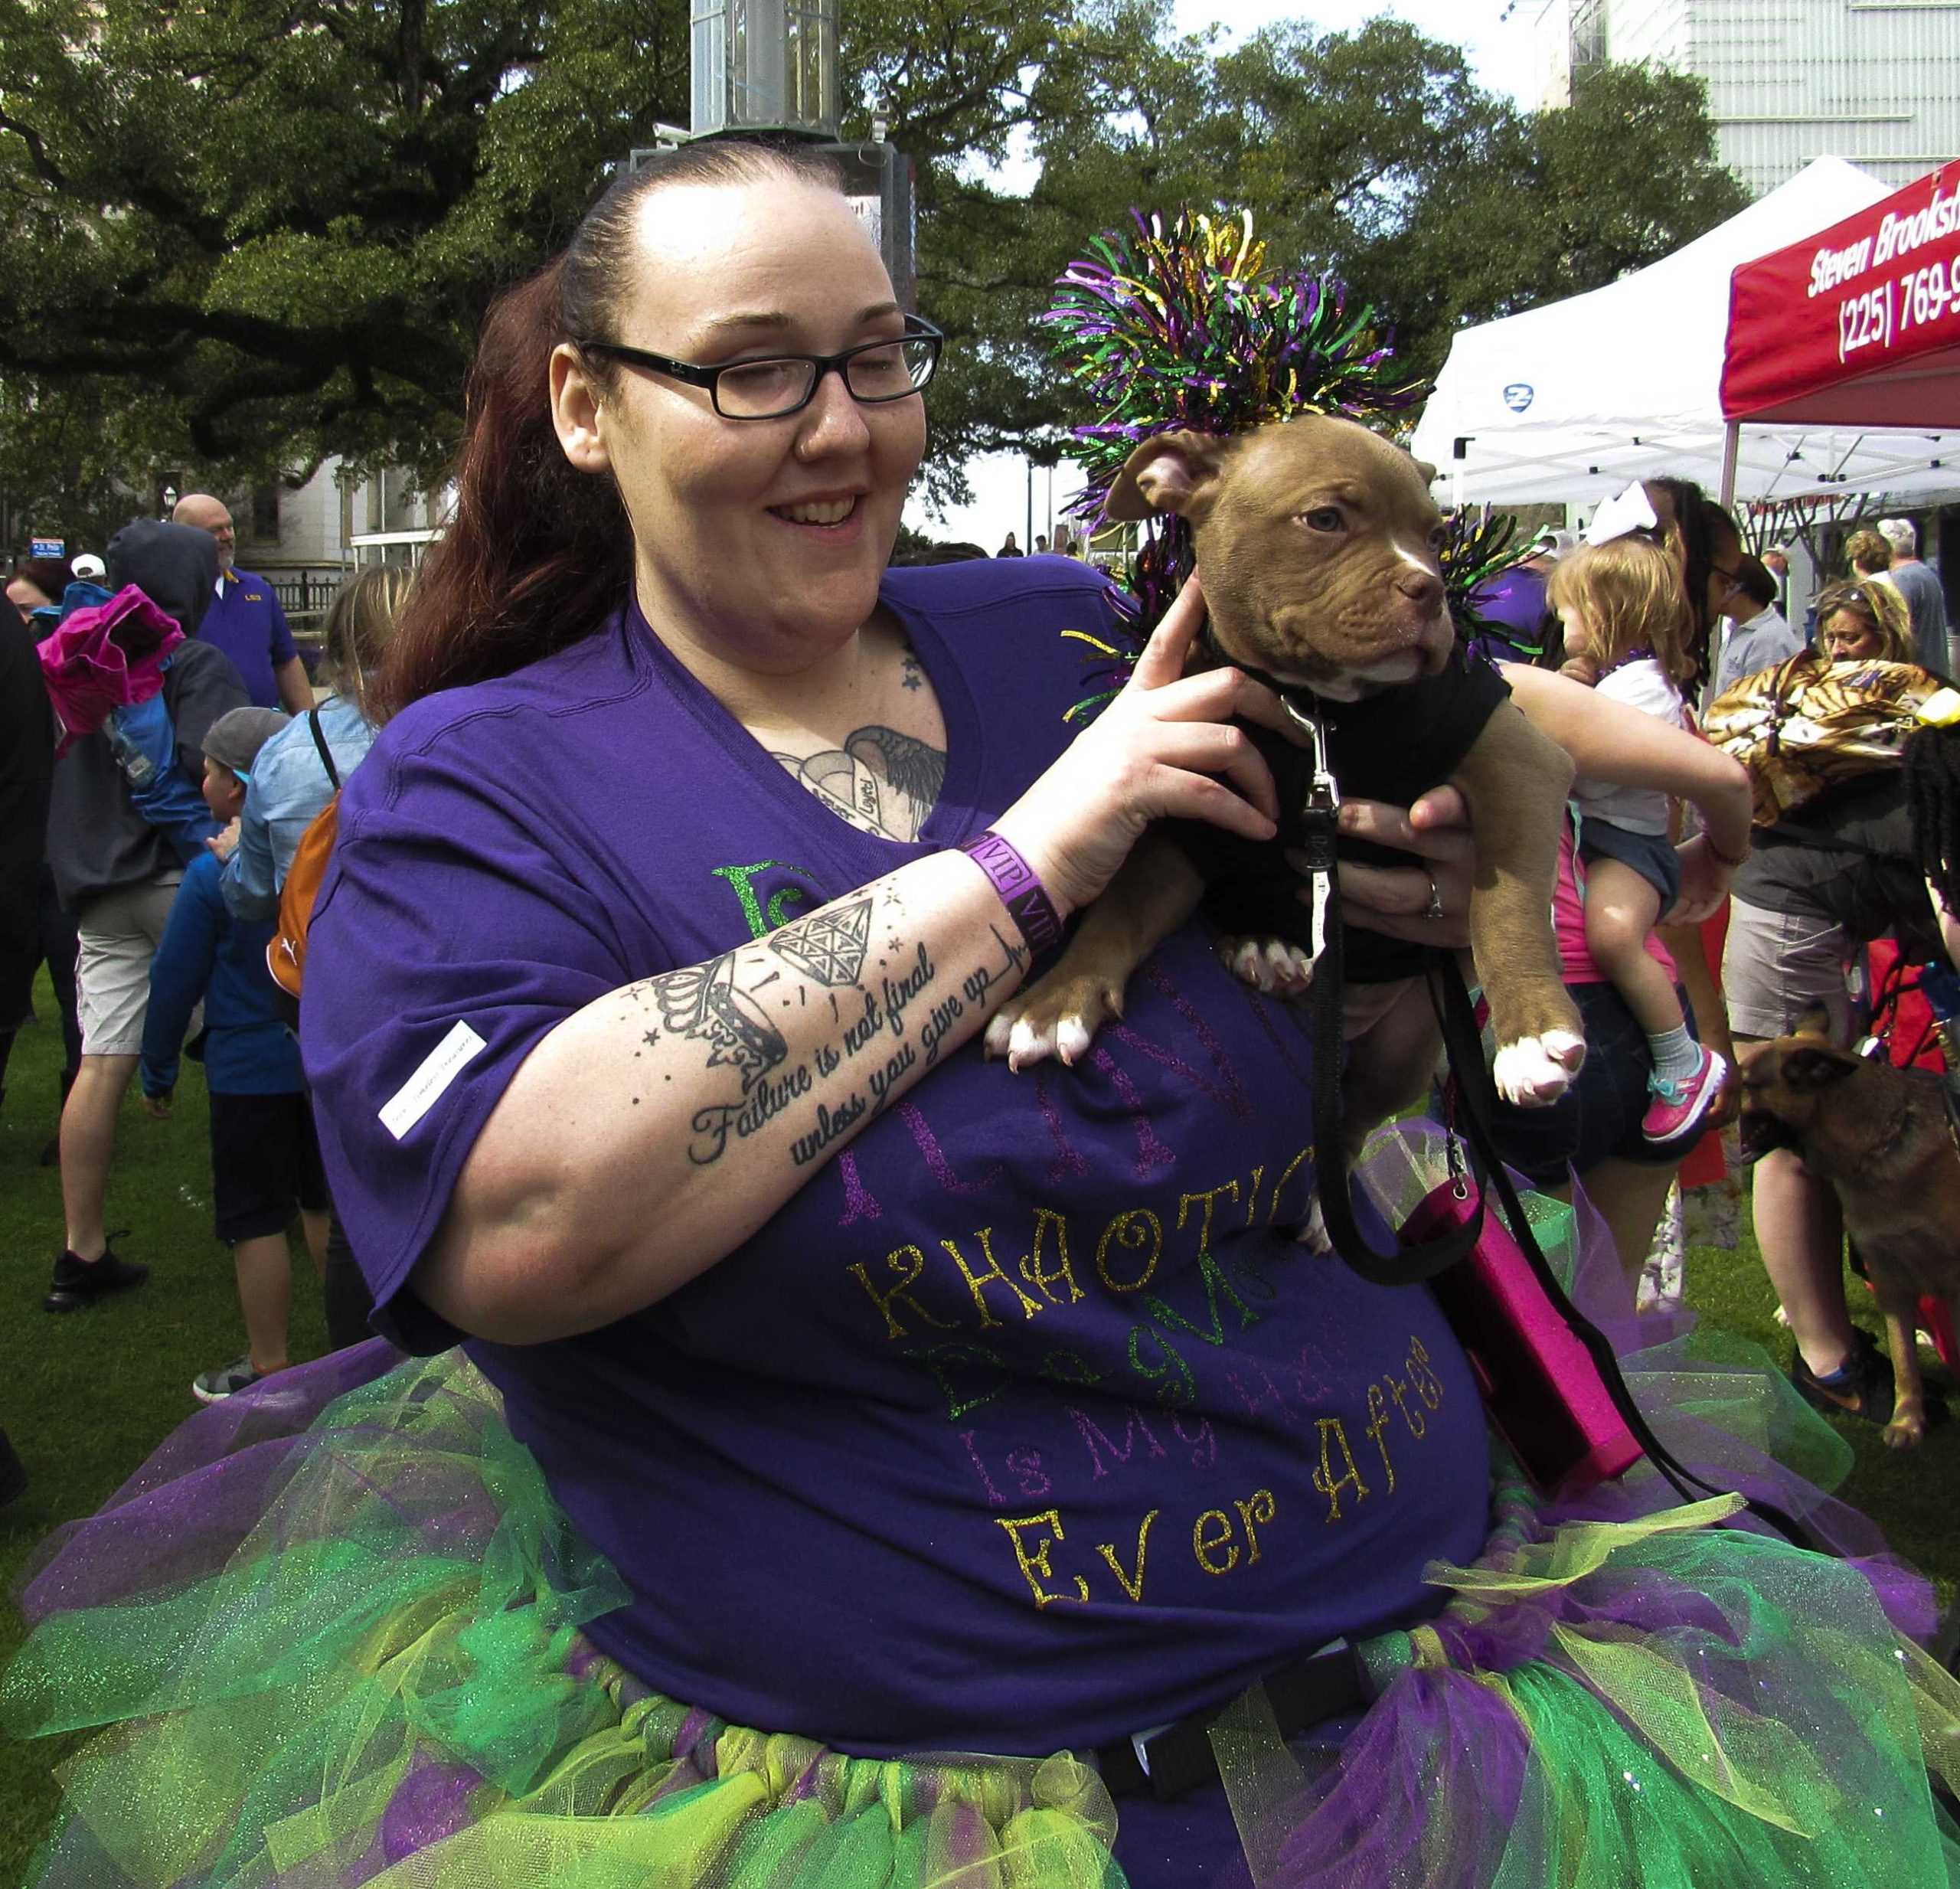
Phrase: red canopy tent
(1856, 326)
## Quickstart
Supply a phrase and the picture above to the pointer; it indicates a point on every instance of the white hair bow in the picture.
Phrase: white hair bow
(1629, 511)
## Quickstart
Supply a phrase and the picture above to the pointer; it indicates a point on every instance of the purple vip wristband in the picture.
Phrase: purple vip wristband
(1020, 891)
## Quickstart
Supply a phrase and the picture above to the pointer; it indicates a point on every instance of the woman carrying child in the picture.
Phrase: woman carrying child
(1627, 630)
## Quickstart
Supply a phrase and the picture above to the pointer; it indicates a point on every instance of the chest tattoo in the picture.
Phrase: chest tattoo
(880, 781)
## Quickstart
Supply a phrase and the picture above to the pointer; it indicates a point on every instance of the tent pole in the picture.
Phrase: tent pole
(1732, 438)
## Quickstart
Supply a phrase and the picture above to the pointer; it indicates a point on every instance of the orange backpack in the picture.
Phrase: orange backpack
(285, 955)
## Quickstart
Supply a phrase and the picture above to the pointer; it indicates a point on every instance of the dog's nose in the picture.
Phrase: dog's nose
(1422, 587)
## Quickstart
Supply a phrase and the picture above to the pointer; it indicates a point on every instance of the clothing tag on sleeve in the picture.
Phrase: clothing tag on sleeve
(424, 1089)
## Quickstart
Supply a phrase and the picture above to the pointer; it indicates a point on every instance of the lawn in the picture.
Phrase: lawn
(87, 1396)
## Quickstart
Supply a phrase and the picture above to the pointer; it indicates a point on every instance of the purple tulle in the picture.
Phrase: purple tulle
(182, 1515)
(431, 1803)
(1378, 1814)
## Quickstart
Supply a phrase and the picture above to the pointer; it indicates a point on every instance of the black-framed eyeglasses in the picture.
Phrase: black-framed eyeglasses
(776, 386)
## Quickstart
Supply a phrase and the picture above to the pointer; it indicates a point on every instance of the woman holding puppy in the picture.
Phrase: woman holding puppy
(807, 1399)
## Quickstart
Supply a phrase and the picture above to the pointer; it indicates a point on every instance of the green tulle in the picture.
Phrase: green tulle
(413, 1600)
(387, 1684)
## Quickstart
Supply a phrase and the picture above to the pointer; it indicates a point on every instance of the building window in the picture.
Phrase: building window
(265, 513)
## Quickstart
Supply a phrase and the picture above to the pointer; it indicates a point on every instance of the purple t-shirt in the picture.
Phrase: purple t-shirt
(1023, 1424)
(246, 621)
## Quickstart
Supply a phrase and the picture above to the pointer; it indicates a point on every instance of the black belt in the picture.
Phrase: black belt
(1177, 1759)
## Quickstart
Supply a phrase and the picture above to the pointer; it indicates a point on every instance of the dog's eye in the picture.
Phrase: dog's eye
(1323, 518)
(1438, 538)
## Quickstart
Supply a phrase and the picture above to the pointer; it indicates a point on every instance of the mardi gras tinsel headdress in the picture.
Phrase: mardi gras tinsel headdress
(1180, 325)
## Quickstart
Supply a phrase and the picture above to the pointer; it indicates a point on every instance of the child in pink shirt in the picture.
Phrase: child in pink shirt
(1626, 627)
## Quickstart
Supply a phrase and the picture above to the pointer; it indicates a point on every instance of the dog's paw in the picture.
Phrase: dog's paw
(1313, 1234)
(1907, 1430)
(1535, 1071)
(1058, 1019)
(1271, 965)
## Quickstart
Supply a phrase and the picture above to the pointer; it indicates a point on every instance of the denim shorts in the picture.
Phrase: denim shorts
(1598, 1117)
(1652, 855)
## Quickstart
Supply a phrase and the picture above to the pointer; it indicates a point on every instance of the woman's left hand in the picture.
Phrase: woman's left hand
(1395, 900)
(1704, 884)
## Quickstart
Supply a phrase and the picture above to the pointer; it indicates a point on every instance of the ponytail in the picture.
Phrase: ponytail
(537, 554)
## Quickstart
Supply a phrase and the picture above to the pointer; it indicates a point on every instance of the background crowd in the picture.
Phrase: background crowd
(152, 943)
(605, 1114)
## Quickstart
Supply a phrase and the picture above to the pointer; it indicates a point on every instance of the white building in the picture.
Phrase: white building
(1874, 81)
(306, 541)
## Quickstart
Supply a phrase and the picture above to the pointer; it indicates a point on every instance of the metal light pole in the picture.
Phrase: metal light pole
(768, 69)
(764, 66)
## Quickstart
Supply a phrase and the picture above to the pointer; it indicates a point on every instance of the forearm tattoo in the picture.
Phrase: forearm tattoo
(887, 1008)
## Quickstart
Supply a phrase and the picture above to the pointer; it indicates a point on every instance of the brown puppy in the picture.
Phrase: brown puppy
(1318, 544)
(1882, 1137)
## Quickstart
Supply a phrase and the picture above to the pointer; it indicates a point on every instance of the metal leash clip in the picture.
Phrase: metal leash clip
(1324, 793)
(1319, 819)
(1459, 1182)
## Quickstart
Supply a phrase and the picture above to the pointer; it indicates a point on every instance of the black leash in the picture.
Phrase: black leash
(1173, 1759)
(1476, 1092)
(1405, 1265)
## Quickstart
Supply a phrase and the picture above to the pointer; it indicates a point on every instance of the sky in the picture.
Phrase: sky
(1501, 51)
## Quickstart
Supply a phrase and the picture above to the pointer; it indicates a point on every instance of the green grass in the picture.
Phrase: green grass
(87, 1396)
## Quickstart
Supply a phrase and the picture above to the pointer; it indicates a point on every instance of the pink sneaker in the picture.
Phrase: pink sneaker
(1678, 1108)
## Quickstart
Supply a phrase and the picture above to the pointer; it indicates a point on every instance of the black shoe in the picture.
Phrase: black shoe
(214, 1386)
(1866, 1389)
(13, 1472)
(78, 1282)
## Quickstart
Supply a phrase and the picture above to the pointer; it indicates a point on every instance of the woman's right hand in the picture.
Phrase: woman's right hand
(1150, 755)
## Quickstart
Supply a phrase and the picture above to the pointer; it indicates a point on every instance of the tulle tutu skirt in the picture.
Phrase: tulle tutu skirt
(330, 1636)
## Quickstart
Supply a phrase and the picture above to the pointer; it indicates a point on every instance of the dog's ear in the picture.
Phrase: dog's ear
(1175, 472)
(1427, 471)
(1816, 1069)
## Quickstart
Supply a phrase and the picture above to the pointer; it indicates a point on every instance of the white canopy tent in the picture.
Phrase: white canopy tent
(1576, 399)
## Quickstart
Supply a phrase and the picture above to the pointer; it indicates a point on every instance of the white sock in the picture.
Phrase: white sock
(1676, 1055)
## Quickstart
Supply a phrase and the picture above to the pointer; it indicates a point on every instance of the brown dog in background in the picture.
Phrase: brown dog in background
(1318, 544)
(1883, 1139)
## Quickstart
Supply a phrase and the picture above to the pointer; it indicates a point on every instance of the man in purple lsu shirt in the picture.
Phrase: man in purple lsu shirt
(915, 1407)
(245, 619)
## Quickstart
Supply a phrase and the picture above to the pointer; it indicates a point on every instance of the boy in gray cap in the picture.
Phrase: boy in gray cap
(265, 1161)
